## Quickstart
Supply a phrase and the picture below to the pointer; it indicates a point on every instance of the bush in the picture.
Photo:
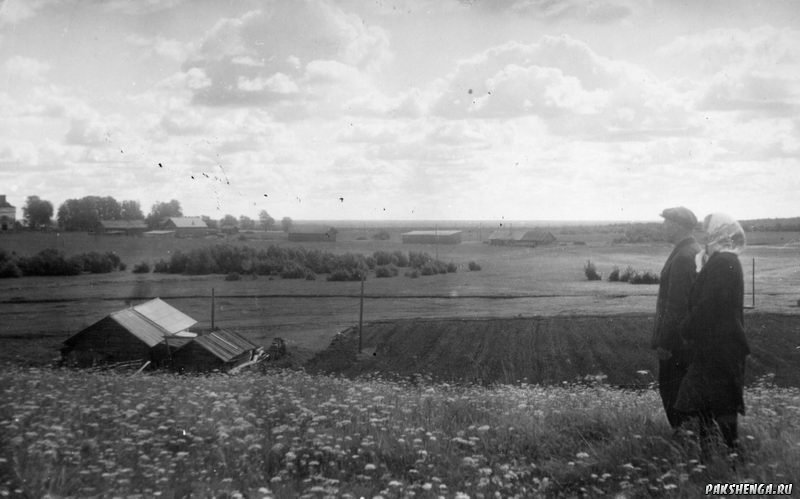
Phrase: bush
(233, 276)
(626, 276)
(95, 263)
(141, 268)
(161, 266)
(293, 270)
(50, 262)
(346, 274)
(386, 271)
(402, 259)
(9, 269)
(591, 271)
(412, 273)
(614, 275)
(473, 266)
(452, 267)
(645, 278)
(385, 258)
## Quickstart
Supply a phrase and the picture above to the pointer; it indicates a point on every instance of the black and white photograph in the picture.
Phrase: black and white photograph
(268, 249)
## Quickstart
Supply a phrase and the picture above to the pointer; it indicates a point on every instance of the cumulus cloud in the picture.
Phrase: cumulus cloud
(293, 54)
(16, 11)
(26, 68)
(86, 132)
(163, 47)
(599, 11)
(565, 83)
(757, 71)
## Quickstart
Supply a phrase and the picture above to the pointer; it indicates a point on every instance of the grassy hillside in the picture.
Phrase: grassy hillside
(288, 434)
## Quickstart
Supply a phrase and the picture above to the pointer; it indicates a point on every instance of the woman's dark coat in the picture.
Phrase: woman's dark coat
(714, 328)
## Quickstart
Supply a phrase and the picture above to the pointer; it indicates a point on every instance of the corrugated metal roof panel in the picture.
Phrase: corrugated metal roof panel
(226, 345)
(143, 329)
(167, 317)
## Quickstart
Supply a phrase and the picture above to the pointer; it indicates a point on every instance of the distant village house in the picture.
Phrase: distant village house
(8, 214)
(432, 237)
(188, 227)
(122, 227)
(521, 237)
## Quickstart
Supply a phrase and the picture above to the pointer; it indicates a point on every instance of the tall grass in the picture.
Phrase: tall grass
(289, 434)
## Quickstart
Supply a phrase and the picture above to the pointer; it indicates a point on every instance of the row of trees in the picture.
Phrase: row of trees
(85, 214)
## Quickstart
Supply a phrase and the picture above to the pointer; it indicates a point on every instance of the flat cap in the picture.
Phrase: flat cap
(680, 215)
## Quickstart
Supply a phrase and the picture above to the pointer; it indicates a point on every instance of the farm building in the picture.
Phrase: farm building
(432, 237)
(129, 334)
(188, 226)
(219, 349)
(521, 237)
(122, 227)
(157, 332)
(8, 214)
(312, 234)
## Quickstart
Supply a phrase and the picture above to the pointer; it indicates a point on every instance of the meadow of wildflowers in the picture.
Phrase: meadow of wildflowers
(289, 434)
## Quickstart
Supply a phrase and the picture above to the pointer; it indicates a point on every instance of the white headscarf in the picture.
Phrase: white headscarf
(723, 234)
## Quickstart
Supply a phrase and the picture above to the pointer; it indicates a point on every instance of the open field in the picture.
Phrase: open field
(529, 316)
(38, 313)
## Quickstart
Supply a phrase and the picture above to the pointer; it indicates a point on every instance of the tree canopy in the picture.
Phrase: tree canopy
(161, 211)
(37, 212)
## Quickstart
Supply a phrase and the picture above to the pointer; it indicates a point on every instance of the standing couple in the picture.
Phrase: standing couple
(699, 330)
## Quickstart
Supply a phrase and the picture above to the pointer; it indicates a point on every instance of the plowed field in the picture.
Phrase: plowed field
(542, 350)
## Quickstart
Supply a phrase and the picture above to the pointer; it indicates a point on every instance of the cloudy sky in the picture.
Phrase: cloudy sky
(405, 109)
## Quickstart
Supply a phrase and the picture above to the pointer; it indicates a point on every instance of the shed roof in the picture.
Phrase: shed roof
(166, 316)
(522, 235)
(151, 321)
(188, 222)
(225, 345)
(432, 233)
(123, 224)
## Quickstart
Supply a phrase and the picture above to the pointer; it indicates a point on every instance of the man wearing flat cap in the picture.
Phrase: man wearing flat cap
(676, 281)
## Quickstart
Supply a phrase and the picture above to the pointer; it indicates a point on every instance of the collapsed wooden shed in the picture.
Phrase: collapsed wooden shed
(217, 350)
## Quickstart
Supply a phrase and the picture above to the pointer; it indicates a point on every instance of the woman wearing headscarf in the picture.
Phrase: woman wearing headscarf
(713, 387)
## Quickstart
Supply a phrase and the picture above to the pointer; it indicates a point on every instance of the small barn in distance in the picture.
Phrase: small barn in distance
(8, 214)
(129, 334)
(521, 237)
(188, 226)
(432, 237)
(122, 227)
(312, 234)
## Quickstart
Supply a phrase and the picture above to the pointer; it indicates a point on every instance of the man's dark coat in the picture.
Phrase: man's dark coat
(714, 330)
(675, 284)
